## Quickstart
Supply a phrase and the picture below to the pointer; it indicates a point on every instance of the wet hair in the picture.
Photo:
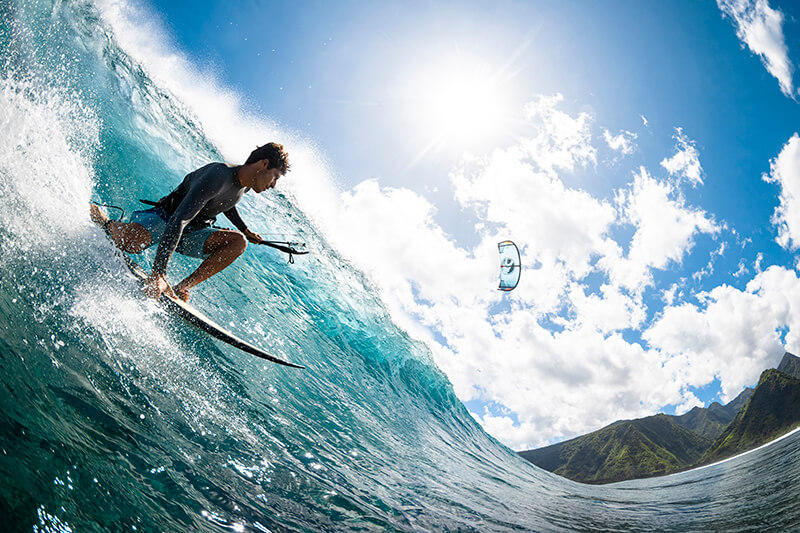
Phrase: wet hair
(276, 153)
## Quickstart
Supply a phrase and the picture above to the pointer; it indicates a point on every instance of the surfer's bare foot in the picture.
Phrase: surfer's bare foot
(181, 292)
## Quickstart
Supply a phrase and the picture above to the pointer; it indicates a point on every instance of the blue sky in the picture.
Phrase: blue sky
(640, 153)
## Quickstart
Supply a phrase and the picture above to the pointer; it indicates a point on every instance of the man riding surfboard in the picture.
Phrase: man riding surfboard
(181, 221)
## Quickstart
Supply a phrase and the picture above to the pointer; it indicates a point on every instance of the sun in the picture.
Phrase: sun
(457, 103)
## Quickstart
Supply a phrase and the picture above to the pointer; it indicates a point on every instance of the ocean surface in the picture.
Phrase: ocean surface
(115, 416)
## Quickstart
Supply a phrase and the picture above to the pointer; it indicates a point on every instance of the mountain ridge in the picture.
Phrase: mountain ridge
(773, 410)
(663, 444)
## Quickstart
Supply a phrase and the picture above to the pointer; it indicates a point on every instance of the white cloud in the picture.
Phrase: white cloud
(686, 161)
(607, 310)
(761, 28)
(730, 334)
(563, 384)
(519, 191)
(669, 295)
(785, 171)
(741, 269)
(623, 142)
(407, 249)
(504, 429)
(562, 228)
(665, 230)
(561, 141)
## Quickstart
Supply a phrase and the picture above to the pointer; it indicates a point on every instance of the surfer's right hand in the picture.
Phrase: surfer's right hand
(155, 285)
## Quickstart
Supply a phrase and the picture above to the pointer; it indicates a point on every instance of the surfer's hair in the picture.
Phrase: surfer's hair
(275, 153)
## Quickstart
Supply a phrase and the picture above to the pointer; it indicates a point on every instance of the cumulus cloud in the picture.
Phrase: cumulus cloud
(505, 429)
(407, 252)
(730, 334)
(563, 228)
(761, 28)
(623, 142)
(685, 163)
(561, 141)
(609, 309)
(741, 269)
(665, 229)
(560, 384)
(785, 171)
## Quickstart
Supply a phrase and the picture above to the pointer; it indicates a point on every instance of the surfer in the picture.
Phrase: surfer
(181, 221)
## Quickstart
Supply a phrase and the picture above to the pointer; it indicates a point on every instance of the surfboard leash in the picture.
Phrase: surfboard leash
(121, 211)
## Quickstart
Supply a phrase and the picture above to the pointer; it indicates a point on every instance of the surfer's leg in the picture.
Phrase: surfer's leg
(222, 248)
(128, 237)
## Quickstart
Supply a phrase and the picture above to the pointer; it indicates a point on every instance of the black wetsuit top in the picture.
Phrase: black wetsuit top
(195, 203)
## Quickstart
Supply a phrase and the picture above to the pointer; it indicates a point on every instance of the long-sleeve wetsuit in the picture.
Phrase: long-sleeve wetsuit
(196, 202)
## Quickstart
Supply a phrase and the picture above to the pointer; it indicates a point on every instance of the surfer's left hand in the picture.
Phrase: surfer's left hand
(253, 236)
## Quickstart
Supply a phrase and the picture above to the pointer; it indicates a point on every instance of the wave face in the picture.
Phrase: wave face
(116, 417)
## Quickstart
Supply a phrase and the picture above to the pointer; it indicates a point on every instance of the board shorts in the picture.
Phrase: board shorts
(192, 241)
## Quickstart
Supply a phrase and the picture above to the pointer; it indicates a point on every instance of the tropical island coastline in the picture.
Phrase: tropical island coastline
(664, 444)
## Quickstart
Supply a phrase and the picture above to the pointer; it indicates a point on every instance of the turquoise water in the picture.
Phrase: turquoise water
(117, 417)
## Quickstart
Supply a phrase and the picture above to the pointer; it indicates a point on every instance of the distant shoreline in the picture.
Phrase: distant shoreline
(792, 432)
(661, 444)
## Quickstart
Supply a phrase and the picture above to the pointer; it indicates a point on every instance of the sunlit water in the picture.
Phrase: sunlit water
(117, 417)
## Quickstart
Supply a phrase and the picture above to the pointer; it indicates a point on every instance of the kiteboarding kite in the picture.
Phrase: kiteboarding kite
(510, 265)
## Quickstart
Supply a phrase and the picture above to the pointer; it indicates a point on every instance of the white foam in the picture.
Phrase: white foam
(47, 140)
(138, 338)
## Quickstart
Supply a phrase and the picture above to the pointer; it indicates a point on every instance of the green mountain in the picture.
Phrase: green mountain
(711, 421)
(790, 364)
(663, 444)
(628, 449)
(772, 410)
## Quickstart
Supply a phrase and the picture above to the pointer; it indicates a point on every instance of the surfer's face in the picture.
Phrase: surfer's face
(266, 179)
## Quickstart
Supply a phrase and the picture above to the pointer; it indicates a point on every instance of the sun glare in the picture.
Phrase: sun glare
(456, 104)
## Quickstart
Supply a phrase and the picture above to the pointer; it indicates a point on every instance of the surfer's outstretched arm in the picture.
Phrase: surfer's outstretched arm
(232, 214)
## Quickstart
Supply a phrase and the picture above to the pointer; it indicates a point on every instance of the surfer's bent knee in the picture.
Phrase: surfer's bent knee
(234, 241)
(241, 242)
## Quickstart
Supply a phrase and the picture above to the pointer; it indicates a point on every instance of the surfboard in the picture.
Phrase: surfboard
(193, 316)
